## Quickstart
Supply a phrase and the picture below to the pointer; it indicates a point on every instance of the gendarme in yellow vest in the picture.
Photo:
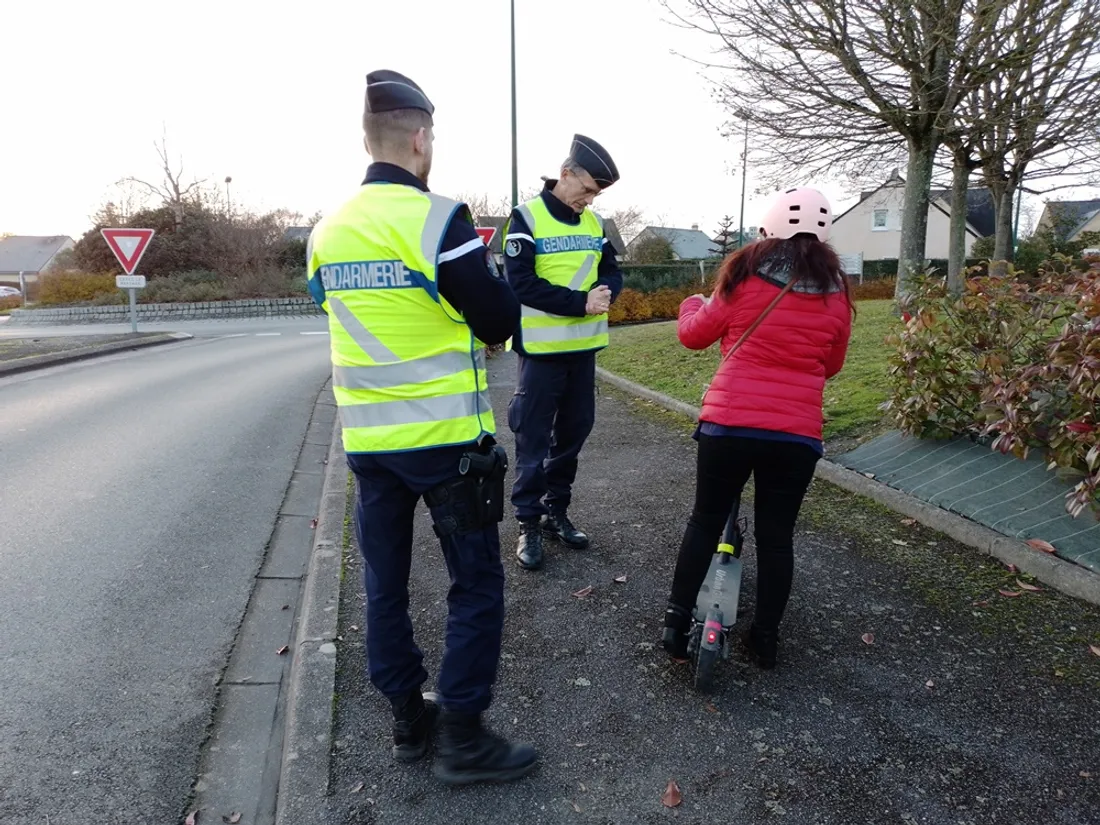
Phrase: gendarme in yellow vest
(407, 372)
(566, 256)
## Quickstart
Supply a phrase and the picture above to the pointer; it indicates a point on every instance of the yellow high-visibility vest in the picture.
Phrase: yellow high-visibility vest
(566, 256)
(407, 371)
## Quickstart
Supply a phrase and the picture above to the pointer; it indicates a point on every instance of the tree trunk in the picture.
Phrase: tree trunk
(956, 242)
(1003, 197)
(914, 219)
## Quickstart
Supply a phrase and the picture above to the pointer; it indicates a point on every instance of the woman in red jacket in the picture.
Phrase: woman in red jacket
(762, 413)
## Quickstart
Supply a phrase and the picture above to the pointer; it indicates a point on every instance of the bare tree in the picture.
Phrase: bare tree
(171, 190)
(1040, 113)
(841, 87)
(630, 220)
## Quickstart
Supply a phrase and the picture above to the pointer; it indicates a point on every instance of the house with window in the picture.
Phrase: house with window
(871, 229)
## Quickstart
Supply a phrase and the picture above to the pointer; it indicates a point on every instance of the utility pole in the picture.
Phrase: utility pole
(744, 178)
(515, 172)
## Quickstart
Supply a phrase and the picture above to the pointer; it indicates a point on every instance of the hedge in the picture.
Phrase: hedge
(1012, 359)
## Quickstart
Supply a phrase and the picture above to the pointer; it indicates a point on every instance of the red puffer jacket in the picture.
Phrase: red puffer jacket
(775, 381)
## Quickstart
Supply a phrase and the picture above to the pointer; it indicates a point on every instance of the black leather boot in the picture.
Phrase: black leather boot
(675, 637)
(529, 546)
(762, 645)
(467, 752)
(558, 526)
(413, 723)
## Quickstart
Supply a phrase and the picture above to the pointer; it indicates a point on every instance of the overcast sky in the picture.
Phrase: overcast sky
(271, 94)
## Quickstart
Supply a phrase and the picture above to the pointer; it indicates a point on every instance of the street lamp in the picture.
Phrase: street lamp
(515, 174)
(229, 202)
(744, 179)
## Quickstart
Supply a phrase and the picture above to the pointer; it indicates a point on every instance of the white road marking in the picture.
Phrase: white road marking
(322, 332)
(263, 334)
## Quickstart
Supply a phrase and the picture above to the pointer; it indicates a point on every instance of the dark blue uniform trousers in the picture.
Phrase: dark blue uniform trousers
(389, 488)
(551, 413)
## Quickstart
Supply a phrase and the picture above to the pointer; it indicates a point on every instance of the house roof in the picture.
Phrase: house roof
(1073, 214)
(979, 208)
(297, 233)
(496, 245)
(29, 253)
(687, 244)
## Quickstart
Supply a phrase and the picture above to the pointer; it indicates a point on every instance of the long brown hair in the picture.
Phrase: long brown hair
(809, 260)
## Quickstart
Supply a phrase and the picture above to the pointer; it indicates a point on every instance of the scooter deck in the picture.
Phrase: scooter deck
(721, 589)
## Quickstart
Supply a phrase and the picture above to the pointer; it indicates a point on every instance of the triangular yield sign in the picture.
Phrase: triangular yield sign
(128, 245)
(486, 233)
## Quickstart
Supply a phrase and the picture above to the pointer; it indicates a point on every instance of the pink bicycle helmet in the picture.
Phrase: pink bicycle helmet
(798, 210)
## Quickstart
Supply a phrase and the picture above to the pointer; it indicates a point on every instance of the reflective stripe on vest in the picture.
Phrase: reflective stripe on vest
(567, 256)
(407, 371)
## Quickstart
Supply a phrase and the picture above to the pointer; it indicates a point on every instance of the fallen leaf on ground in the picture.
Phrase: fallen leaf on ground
(576, 807)
(1085, 775)
(1095, 650)
(1010, 593)
(1059, 673)
(869, 475)
(282, 650)
(354, 628)
(711, 708)
(621, 579)
(671, 797)
(583, 789)
(868, 638)
(982, 603)
(929, 684)
(580, 594)
(1039, 544)
(1012, 568)
(1025, 586)
(901, 543)
(908, 522)
(192, 818)
(313, 524)
(232, 819)
(358, 787)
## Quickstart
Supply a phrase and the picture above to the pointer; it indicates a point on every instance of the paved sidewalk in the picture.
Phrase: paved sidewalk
(966, 707)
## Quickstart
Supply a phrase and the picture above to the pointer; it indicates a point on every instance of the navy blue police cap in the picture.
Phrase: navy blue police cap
(594, 159)
(388, 90)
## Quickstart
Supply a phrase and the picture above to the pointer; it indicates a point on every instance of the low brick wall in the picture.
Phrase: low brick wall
(199, 311)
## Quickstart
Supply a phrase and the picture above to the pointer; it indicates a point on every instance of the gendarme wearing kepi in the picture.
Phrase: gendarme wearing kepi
(412, 299)
(565, 273)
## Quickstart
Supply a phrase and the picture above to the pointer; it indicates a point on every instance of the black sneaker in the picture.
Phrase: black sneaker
(558, 526)
(762, 645)
(529, 546)
(467, 753)
(675, 636)
(413, 723)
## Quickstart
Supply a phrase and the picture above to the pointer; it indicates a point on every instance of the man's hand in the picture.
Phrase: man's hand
(599, 301)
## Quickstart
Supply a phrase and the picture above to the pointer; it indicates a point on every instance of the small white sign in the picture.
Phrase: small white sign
(852, 264)
(130, 281)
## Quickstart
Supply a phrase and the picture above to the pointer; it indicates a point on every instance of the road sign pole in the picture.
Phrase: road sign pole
(133, 309)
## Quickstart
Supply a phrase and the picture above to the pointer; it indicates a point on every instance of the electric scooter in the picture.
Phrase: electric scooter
(715, 611)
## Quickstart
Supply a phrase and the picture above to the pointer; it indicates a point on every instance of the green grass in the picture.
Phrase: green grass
(651, 355)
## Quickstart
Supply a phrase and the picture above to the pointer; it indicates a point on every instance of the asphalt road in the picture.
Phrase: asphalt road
(137, 494)
(213, 328)
(963, 707)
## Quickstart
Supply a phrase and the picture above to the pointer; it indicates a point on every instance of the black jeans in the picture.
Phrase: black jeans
(782, 471)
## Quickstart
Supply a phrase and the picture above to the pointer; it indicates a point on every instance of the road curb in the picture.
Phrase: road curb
(53, 359)
(307, 747)
(1062, 575)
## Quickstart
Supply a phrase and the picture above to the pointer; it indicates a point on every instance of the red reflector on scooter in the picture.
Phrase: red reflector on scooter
(711, 637)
